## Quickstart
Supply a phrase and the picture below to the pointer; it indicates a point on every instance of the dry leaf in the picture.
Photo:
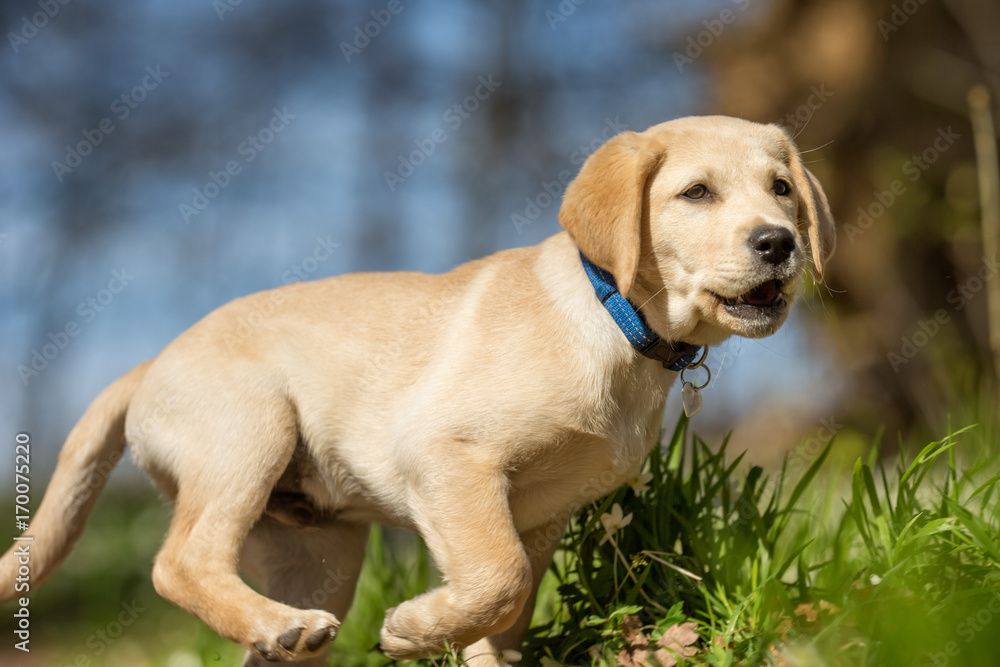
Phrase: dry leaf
(632, 630)
(676, 641)
(633, 655)
(807, 609)
(829, 607)
(679, 637)
(645, 656)
(628, 658)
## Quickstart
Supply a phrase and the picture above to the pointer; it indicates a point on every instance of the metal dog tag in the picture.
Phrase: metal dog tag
(690, 399)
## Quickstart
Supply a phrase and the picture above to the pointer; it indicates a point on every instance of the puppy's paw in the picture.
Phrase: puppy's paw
(485, 653)
(403, 637)
(296, 637)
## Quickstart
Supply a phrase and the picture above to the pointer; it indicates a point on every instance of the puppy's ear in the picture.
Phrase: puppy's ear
(602, 208)
(814, 212)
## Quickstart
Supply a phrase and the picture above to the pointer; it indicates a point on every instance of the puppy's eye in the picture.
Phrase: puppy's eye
(698, 191)
(782, 188)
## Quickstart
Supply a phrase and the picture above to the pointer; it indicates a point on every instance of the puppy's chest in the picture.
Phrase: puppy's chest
(602, 450)
(551, 489)
(582, 466)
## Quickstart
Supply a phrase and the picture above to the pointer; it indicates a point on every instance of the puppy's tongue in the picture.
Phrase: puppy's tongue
(764, 294)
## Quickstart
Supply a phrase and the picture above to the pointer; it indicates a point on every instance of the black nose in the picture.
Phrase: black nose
(773, 244)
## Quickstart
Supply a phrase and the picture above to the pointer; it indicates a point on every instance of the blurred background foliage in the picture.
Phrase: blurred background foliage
(875, 90)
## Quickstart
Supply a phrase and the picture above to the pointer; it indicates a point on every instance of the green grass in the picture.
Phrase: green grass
(896, 565)
(876, 564)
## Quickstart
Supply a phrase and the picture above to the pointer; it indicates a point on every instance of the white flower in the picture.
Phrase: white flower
(613, 521)
(640, 482)
(875, 579)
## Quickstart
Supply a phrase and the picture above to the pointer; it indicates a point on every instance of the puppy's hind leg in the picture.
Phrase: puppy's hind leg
(226, 472)
(307, 568)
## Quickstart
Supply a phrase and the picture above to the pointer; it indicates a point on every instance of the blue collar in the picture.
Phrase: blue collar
(673, 356)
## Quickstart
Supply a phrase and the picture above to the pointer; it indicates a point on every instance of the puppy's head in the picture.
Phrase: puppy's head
(706, 223)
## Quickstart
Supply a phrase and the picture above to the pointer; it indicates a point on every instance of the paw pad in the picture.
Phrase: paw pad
(266, 653)
(289, 640)
(320, 637)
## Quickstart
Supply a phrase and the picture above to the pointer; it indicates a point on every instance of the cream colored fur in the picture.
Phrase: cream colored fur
(480, 407)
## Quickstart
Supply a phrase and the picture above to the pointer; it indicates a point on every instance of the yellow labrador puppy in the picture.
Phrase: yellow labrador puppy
(480, 407)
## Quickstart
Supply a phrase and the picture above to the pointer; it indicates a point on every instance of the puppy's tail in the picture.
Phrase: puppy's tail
(91, 451)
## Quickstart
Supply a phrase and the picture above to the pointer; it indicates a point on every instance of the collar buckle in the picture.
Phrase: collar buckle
(674, 356)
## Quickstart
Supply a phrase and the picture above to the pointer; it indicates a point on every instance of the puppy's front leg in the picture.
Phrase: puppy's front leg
(540, 543)
(466, 522)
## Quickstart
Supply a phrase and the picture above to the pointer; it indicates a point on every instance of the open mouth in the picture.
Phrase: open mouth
(762, 299)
